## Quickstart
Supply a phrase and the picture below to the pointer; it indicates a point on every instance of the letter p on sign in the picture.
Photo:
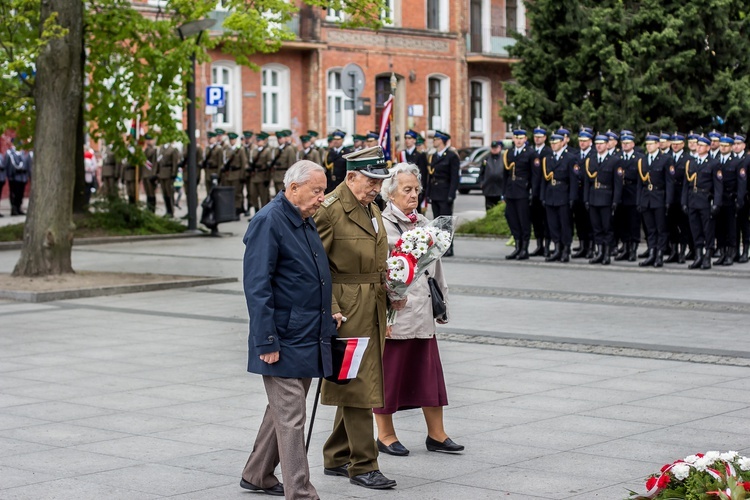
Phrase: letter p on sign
(215, 96)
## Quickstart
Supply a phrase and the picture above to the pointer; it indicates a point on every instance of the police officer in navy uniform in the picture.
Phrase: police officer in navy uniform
(581, 218)
(538, 213)
(743, 214)
(492, 176)
(701, 200)
(677, 221)
(412, 155)
(602, 189)
(334, 160)
(733, 197)
(654, 198)
(518, 163)
(443, 173)
(627, 217)
(558, 191)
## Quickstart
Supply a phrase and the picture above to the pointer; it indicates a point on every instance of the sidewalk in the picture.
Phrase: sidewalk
(146, 395)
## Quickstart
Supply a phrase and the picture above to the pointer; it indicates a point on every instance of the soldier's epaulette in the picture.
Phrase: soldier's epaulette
(330, 199)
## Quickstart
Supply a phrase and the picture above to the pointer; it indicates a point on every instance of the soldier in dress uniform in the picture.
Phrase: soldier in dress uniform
(371, 139)
(147, 173)
(412, 155)
(110, 172)
(733, 196)
(602, 189)
(566, 139)
(235, 164)
(701, 200)
(492, 176)
(251, 151)
(421, 144)
(627, 217)
(359, 142)
(518, 163)
(715, 138)
(213, 161)
(537, 211)
(612, 142)
(581, 218)
(309, 152)
(558, 191)
(260, 173)
(334, 160)
(286, 157)
(167, 163)
(653, 199)
(128, 167)
(443, 173)
(743, 213)
(692, 144)
(665, 143)
(678, 224)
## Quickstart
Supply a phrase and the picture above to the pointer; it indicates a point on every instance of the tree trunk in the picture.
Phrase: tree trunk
(48, 234)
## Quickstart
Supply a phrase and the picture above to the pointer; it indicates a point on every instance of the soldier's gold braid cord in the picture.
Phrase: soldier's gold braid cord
(690, 178)
(551, 175)
(588, 172)
(644, 178)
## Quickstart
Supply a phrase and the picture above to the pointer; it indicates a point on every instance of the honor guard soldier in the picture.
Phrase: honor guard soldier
(286, 157)
(654, 198)
(167, 163)
(733, 196)
(693, 144)
(359, 142)
(715, 138)
(566, 139)
(665, 143)
(518, 163)
(678, 224)
(260, 175)
(128, 167)
(443, 173)
(371, 139)
(743, 214)
(537, 211)
(251, 151)
(412, 155)
(308, 150)
(148, 173)
(612, 141)
(213, 161)
(110, 172)
(581, 218)
(558, 190)
(421, 145)
(314, 137)
(492, 176)
(701, 199)
(334, 160)
(602, 189)
(235, 164)
(627, 217)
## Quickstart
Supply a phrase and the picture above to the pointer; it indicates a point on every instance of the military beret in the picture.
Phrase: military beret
(519, 132)
(555, 138)
(652, 138)
(368, 161)
(247, 133)
(540, 131)
(601, 138)
(726, 140)
(232, 135)
(411, 133)
(443, 136)
(739, 138)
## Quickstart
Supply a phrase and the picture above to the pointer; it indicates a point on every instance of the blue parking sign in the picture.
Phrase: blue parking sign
(215, 96)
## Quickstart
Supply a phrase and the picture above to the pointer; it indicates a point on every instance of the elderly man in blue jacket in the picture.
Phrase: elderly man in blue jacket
(287, 285)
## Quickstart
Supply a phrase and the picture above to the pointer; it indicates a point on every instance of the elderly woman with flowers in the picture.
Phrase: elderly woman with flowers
(412, 371)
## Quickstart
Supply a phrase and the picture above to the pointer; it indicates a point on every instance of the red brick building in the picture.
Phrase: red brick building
(449, 59)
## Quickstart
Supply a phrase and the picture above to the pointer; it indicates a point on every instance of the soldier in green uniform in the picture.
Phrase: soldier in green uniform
(352, 232)
(251, 151)
(259, 176)
(213, 161)
(110, 172)
(128, 167)
(148, 173)
(309, 152)
(234, 168)
(167, 163)
(285, 158)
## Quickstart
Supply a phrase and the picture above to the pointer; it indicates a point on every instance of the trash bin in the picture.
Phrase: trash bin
(223, 200)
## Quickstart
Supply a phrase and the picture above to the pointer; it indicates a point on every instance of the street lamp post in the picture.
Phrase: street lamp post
(187, 30)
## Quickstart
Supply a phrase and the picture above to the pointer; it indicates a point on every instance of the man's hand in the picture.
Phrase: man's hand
(270, 357)
(397, 305)
(339, 318)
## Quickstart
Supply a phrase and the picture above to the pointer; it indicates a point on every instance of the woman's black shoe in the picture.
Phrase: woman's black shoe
(446, 446)
(396, 449)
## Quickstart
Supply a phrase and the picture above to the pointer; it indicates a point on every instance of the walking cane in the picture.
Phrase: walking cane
(312, 417)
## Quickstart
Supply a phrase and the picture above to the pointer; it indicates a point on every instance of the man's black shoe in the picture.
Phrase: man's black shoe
(375, 480)
(446, 446)
(341, 470)
(276, 490)
(396, 449)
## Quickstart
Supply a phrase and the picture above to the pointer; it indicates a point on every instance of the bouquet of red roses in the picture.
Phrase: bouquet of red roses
(413, 253)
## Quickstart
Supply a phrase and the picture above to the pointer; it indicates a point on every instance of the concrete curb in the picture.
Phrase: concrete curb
(16, 245)
(37, 297)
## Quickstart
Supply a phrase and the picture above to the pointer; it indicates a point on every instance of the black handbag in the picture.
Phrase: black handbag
(439, 307)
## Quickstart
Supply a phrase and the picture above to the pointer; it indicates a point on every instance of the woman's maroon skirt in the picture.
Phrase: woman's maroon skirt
(412, 375)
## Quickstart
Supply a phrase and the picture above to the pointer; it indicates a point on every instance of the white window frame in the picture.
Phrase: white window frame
(443, 15)
(233, 95)
(445, 102)
(336, 96)
(282, 90)
(334, 15)
(391, 7)
(486, 130)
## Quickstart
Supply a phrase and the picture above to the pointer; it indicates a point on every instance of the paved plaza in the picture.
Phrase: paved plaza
(564, 381)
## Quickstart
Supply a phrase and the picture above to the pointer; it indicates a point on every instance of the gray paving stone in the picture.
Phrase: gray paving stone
(57, 411)
(60, 434)
(73, 489)
(145, 448)
(12, 477)
(65, 462)
(10, 447)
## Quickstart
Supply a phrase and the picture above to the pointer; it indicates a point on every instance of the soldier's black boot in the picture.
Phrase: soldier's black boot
(698, 258)
(625, 252)
(151, 203)
(523, 254)
(598, 256)
(547, 243)
(514, 253)
(681, 254)
(706, 264)
(539, 250)
(556, 255)
(606, 255)
(643, 254)
(744, 257)
(565, 257)
(674, 254)
(729, 254)
(717, 252)
(582, 250)
(632, 253)
(591, 248)
(659, 262)
(650, 259)
(722, 257)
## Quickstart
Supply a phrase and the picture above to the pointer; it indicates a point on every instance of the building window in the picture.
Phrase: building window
(334, 14)
(437, 15)
(338, 116)
(388, 13)
(382, 93)
(275, 96)
(438, 102)
(511, 17)
(477, 123)
(223, 76)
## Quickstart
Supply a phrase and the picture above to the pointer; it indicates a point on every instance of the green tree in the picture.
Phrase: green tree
(135, 70)
(646, 65)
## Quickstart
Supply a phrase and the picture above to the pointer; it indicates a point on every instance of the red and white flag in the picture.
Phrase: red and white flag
(355, 350)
